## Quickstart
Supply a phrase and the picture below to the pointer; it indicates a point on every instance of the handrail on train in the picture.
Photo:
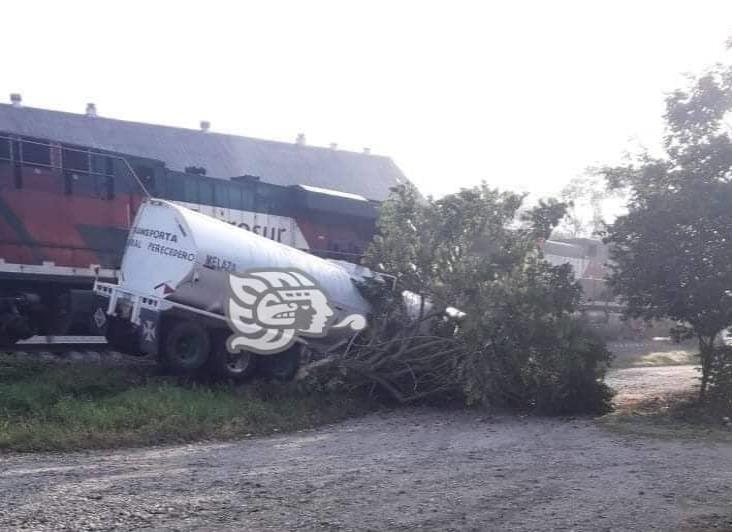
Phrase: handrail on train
(64, 148)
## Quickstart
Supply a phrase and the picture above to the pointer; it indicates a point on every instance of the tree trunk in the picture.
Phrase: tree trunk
(706, 353)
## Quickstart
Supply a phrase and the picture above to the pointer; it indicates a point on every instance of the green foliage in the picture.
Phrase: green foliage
(534, 353)
(672, 252)
(587, 197)
(71, 406)
(516, 343)
(720, 380)
(554, 368)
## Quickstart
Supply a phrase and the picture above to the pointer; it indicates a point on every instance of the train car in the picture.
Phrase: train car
(68, 196)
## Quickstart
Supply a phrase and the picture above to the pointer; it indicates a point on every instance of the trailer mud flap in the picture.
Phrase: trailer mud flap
(99, 319)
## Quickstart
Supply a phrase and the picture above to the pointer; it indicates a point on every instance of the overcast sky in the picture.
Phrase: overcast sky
(523, 94)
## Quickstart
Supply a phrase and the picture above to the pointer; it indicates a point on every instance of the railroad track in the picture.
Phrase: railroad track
(60, 344)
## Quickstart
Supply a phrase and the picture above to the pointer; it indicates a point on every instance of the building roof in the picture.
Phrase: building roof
(224, 156)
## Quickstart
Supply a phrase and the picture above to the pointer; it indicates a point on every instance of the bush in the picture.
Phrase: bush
(720, 383)
(514, 343)
(548, 363)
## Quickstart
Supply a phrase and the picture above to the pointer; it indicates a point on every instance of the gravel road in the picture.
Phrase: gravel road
(423, 468)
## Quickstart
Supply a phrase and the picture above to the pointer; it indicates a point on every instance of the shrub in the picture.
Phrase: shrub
(720, 383)
(514, 343)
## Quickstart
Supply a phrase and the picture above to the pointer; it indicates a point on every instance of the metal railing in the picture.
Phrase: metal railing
(56, 158)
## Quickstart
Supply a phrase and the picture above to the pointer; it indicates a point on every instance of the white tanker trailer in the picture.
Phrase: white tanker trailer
(178, 300)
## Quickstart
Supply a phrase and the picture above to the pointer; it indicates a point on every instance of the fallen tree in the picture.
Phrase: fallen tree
(514, 342)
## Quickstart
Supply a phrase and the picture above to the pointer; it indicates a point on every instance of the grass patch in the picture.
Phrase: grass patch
(668, 417)
(654, 353)
(65, 406)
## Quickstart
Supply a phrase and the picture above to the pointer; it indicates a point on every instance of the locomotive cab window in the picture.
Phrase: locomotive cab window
(4, 150)
(75, 160)
(35, 152)
(102, 164)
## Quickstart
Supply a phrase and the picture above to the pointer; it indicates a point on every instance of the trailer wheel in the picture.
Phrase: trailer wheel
(186, 347)
(280, 367)
(231, 366)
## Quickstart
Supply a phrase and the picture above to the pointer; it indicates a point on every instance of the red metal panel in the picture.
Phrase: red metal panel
(39, 222)
(6, 175)
(37, 178)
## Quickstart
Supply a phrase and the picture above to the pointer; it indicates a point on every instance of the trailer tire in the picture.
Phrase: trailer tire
(186, 348)
(236, 367)
(280, 367)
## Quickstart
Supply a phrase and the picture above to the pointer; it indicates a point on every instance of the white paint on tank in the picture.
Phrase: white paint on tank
(160, 250)
(281, 229)
(190, 254)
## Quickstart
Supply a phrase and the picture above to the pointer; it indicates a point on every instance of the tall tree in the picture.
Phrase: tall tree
(587, 198)
(672, 251)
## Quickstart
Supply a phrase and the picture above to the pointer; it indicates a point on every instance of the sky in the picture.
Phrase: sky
(522, 94)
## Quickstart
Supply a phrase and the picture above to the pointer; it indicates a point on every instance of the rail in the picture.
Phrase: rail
(59, 343)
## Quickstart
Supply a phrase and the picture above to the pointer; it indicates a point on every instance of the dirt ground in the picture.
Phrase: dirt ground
(643, 385)
(418, 468)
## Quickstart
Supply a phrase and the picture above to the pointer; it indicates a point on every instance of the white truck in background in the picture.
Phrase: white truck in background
(173, 292)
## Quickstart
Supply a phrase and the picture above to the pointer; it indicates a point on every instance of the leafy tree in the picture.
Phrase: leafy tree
(672, 252)
(587, 198)
(515, 343)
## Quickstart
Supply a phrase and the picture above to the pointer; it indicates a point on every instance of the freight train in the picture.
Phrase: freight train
(66, 210)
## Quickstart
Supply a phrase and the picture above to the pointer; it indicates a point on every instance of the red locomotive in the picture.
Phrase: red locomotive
(70, 186)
